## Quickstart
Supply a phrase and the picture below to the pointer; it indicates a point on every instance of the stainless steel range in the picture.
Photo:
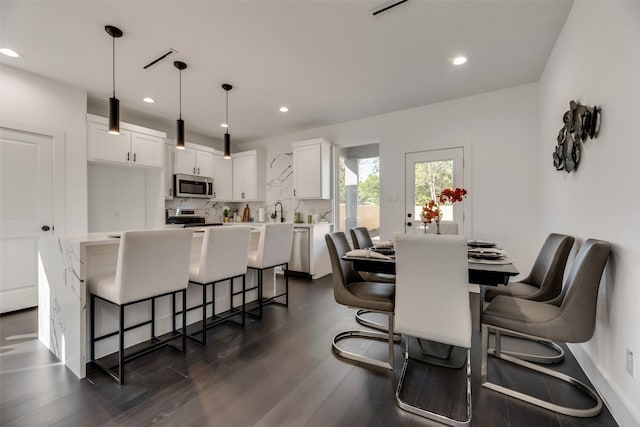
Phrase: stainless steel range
(184, 218)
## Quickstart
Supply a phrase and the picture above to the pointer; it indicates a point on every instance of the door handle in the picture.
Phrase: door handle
(45, 228)
(409, 224)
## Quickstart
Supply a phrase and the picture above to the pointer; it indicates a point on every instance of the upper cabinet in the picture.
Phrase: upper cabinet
(169, 158)
(222, 178)
(191, 161)
(249, 176)
(312, 169)
(135, 146)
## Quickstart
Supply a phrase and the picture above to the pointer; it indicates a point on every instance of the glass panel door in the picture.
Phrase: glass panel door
(427, 173)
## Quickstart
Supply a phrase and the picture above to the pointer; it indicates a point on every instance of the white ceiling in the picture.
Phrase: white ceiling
(328, 61)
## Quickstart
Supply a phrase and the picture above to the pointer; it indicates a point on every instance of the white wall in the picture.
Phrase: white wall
(596, 60)
(40, 105)
(502, 130)
(117, 198)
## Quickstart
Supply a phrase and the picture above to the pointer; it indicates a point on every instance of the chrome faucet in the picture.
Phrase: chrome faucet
(275, 208)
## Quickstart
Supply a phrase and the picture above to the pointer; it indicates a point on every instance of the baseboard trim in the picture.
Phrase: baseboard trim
(18, 299)
(619, 408)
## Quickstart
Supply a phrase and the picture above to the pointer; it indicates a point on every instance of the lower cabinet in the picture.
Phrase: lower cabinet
(309, 254)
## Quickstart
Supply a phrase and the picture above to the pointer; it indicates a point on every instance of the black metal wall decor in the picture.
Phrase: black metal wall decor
(580, 122)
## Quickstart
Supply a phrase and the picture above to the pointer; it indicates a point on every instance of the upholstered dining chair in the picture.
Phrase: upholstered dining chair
(223, 257)
(349, 289)
(274, 249)
(361, 239)
(151, 264)
(543, 283)
(432, 303)
(570, 317)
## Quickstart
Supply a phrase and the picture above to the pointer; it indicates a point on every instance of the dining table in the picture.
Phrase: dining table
(480, 272)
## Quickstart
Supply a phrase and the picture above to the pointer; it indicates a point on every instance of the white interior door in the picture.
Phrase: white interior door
(427, 173)
(26, 213)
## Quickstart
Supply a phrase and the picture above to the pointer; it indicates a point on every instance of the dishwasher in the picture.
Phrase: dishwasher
(300, 262)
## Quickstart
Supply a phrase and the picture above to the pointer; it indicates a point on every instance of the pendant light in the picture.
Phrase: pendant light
(180, 131)
(114, 103)
(227, 138)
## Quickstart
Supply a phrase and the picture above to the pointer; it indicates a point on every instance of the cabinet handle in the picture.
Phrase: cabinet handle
(198, 171)
(134, 157)
(294, 192)
(243, 195)
(214, 194)
(171, 191)
(194, 171)
(128, 156)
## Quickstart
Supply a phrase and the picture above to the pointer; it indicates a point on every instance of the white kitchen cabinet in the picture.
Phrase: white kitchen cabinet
(169, 158)
(222, 175)
(192, 161)
(135, 146)
(312, 169)
(249, 176)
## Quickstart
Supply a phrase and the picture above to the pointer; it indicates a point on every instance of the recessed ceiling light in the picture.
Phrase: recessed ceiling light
(224, 125)
(9, 52)
(459, 60)
(283, 109)
(149, 100)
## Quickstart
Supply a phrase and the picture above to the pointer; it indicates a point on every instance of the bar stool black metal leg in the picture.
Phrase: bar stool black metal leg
(153, 318)
(184, 320)
(92, 305)
(121, 347)
(260, 291)
(204, 314)
(244, 291)
(286, 284)
(173, 307)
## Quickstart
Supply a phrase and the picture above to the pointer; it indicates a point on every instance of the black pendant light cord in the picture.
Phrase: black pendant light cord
(113, 54)
(227, 112)
(180, 95)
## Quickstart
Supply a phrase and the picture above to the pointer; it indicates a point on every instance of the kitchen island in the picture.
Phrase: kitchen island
(64, 266)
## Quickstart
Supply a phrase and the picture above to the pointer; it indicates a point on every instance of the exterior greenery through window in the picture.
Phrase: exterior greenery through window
(359, 188)
(430, 179)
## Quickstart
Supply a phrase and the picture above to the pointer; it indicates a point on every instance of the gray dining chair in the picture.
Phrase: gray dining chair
(543, 283)
(349, 289)
(361, 239)
(432, 303)
(568, 318)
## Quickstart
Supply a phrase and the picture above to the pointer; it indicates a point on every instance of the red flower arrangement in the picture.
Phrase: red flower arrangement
(431, 210)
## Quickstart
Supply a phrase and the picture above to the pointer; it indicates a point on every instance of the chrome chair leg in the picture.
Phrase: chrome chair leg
(428, 414)
(574, 412)
(529, 357)
(378, 336)
(374, 325)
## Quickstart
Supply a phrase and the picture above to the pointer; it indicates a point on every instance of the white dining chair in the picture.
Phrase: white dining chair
(432, 302)
(151, 264)
(223, 258)
(273, 250)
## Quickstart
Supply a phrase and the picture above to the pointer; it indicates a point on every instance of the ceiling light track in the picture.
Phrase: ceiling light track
(387, 6)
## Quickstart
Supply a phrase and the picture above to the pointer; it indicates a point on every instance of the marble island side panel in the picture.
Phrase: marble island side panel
(65, 265)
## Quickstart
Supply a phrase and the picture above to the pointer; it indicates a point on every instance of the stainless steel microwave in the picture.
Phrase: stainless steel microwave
(192, 186)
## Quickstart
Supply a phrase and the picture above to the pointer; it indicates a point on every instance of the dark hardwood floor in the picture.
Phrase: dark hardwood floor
(278, 371)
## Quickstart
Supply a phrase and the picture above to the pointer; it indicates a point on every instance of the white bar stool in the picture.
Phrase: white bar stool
(151, 264)
(274, 249)
(223, 257)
